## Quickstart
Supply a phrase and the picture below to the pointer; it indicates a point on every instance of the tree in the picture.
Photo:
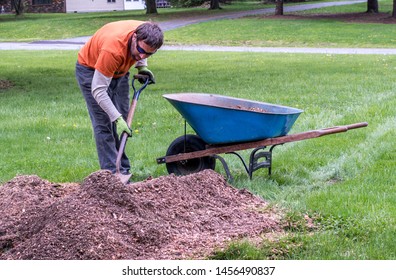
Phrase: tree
(279, 7)
(214, 4)
(17, 5)
(394, 9)
(151, 7)
(372, 6)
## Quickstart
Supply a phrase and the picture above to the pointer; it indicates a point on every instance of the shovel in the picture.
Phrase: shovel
(124, 136)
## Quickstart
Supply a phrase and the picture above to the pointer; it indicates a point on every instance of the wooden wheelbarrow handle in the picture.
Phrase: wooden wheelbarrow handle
(213, 150)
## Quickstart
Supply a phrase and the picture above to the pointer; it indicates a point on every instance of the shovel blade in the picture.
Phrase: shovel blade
(124, 178)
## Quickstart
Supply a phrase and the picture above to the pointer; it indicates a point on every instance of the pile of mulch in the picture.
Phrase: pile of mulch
(168, 217)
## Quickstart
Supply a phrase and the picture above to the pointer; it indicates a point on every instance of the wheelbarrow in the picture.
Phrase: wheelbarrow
(225, 125)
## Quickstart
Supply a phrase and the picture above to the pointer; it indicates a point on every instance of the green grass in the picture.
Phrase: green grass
(32, 27)
(46, 92)
(343, 182)
(259, 31)
(264, 31)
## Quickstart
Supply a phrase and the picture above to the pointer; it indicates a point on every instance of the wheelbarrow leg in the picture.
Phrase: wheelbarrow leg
(225, 166)
(255, 164)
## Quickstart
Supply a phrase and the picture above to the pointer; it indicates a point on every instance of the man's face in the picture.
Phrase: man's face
(140, 50)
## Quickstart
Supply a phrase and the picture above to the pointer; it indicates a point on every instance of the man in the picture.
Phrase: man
(102, 72)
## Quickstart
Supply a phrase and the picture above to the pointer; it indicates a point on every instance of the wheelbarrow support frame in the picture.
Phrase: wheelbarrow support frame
(258, 146)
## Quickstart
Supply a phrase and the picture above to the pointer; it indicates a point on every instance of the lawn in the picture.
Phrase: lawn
(345, 182)
(31, 27)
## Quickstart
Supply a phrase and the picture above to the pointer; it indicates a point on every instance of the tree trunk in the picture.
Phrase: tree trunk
(17, 5)
(372, 6)
(279, 7)
(151, 7)
(214, 5)
(394, 9)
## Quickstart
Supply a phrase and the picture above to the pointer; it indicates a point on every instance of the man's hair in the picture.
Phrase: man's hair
(151, 34)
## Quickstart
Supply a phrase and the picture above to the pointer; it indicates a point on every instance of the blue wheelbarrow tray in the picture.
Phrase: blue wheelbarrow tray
(219, 119)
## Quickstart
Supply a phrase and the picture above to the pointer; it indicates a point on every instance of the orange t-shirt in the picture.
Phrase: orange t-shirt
(107, 50)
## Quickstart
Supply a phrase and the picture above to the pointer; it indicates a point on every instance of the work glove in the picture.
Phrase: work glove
(122, 126)
(143, 70)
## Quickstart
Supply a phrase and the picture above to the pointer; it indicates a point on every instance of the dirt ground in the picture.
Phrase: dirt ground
(164, 218)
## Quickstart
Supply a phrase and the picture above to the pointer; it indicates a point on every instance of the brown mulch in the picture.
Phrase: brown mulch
(5, 84)
(168, 217)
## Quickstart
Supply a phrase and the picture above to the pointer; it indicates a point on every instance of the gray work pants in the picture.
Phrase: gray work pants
(107, 141)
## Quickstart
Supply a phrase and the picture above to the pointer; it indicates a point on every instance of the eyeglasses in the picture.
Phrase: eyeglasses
(142, 51)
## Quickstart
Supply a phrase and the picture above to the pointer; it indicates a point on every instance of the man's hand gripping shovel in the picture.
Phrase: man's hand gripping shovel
(124, 136)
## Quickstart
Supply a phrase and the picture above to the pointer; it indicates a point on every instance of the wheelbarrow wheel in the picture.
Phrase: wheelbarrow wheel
(186, 144)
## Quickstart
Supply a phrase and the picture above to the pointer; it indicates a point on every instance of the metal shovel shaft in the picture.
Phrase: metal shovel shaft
(124, 178)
